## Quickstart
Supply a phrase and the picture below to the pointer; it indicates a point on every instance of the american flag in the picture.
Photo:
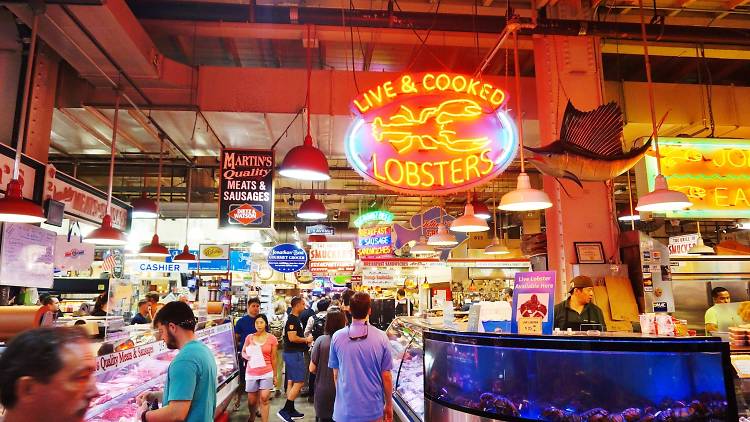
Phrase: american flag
(109, 262)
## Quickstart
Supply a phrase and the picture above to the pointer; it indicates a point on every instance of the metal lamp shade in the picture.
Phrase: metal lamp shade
(106, 235)
(524, 197)
(469, 223)
(15, 209)
(312, 209)
(144, 207)
(305, 162)
(663, 199)
(154, 248)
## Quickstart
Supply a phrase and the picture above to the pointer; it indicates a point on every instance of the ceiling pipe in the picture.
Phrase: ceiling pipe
(175, 10)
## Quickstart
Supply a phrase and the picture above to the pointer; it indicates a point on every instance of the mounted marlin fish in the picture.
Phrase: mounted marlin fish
(589, 148)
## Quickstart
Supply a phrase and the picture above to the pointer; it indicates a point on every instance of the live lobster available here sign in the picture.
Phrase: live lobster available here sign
(246, 188)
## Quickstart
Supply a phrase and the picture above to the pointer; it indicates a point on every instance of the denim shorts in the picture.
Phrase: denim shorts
(294, 362)
(253, 385)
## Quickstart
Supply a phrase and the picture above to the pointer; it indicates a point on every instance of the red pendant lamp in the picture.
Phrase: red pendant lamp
(480, 209)
(144, 207)
(306, 162)
(312, 209)
(106, 234)
(13, 207)
(186, 256)
(156, 249)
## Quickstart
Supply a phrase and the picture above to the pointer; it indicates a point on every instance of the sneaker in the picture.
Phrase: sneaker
(284, 416)
(296, 415)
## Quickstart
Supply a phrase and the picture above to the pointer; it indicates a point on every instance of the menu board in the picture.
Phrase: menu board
(27, 256)
(246, 188)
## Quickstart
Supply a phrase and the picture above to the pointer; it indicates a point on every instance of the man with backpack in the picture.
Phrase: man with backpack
(316, 327)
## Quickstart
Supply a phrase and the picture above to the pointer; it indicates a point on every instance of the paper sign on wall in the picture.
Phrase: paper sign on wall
(533, 296)
(27, 256)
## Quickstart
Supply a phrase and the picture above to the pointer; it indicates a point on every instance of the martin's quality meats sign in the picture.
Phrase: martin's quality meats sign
(246, 188)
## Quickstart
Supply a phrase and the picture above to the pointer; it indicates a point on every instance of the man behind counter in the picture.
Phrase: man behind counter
(720, 295)
(577, 312)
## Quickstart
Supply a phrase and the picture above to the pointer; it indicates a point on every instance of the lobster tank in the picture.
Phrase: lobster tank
(574, 378)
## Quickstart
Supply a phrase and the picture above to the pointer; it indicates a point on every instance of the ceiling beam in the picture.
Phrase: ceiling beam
(120, 131)
(231, 46)
(91, 131)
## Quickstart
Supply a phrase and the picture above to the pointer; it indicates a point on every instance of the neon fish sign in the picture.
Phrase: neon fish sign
(431, 134)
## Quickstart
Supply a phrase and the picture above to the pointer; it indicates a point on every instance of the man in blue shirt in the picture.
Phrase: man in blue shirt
(360, 357)
(190, 390)
(246, 325)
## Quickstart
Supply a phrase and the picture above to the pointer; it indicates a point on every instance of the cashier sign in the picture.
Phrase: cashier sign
(431, 134)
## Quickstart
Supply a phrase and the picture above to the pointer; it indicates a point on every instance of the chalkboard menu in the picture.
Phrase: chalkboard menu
(27, 256)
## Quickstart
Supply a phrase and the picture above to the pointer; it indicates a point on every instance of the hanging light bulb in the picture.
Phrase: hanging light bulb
(312, 209)
(480, 209)
(700, 248)
(13, 207)
(524, 197)
(306, 162)
(469, 223)
(496, 247)
(155, 249)
(661, 199)
(144, 207)
(186, 256)
(628, 215)
(107, 235)
(442, 238)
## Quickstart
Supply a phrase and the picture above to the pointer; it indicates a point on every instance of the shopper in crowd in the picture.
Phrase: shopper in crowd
(507, 295)
(153, 301)
(346, 297)
(719, 295)
(142, 317)
(403, 304)
(259, 351)
(48, 312)
(246, 325)
(190, 389)
(276, 324)
(47, 374)
(304, 318)
(325, 389)
(577, 312)
(360, 357)
(295, 345)
(101, 306)
(315, 327)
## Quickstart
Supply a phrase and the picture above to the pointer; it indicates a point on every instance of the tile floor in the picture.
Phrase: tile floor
(301, 404)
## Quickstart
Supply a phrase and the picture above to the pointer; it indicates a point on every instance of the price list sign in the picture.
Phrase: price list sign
(246, 188)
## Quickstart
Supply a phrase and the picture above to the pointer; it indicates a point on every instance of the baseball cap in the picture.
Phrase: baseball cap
(581, 282)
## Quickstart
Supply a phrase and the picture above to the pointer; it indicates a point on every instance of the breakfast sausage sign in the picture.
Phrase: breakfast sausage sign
(431, 134)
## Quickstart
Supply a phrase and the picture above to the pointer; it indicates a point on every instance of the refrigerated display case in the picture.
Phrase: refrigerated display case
(123, 375)
(477, 377)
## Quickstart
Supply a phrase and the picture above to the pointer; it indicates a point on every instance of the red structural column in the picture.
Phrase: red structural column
(42, 103)
(570, 68)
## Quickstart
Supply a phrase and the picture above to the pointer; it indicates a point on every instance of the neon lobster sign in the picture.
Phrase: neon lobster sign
(431, 134)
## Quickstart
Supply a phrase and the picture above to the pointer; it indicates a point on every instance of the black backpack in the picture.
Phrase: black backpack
(319, 325)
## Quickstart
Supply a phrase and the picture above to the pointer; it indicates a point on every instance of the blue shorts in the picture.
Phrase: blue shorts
(294, 362)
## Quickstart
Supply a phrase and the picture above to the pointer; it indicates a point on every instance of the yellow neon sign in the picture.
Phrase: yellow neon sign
(713, 173)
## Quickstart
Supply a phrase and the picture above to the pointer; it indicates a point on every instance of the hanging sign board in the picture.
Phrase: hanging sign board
(27, 256)
(713, 173)
(320, 229)
(213, 252)
(287, 258)
(380, 277)
(374, 217)
(533, 302)
(431, 134)
(374, 241)
(85, 202)
(680, 245)
(337, 257)
(246, 188)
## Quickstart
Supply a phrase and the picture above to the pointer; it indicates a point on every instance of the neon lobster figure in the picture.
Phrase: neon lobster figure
(433, 129)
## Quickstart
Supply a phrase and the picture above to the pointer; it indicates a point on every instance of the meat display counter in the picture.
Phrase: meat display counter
(123, 375)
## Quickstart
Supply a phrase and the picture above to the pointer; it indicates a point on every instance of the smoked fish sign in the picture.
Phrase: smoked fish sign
(431, 134)
(246, 188)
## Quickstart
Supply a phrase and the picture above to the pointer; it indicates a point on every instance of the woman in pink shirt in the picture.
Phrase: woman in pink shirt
(259, 350)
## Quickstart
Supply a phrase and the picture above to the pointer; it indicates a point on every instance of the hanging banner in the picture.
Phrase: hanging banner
(85, 202)
(213, 252)
(336, 257)
(246, 188)
(533, 302)
(431, 134)
(713, 173)
(380, 277)
(374, 242)
(287, 258)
